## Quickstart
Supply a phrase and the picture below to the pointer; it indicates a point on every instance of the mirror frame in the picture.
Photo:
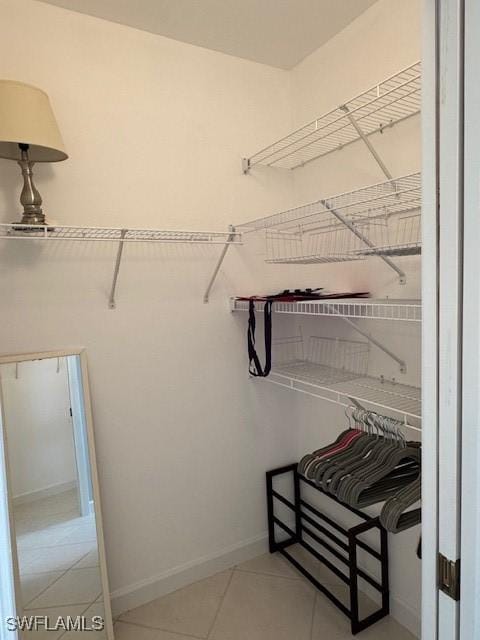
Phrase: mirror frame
(46, 355)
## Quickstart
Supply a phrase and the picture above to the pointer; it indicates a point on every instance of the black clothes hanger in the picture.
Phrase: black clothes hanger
(371, 490)
(310, 457)
(357, 446)
(377, 459)
(376, 465)
(394, 516)
(363, 469)
(325, 460)
(344, 466)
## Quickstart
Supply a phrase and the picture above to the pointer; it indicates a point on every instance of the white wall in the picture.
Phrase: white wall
(38, 426)
(155, 130)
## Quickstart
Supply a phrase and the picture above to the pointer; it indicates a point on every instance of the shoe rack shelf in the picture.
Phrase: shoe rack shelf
(305, 527)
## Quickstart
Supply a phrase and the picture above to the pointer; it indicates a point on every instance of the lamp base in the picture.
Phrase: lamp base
(30, 198)
(33, 219)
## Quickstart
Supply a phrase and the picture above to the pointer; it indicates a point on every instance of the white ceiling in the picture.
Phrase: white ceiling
(276, 32)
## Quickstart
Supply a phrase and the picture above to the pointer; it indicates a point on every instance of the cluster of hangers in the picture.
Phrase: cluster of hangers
(370, 462)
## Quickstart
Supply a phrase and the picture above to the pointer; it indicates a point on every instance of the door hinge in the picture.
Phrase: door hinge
(449, 576)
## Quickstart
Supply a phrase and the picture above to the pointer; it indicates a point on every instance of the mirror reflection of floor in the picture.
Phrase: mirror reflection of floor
(58, 561)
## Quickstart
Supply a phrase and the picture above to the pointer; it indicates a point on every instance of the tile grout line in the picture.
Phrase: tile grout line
(59, 544)
(271, 575)
(221, 603)
(54, 582)
(43, 590)
(300, 577)
(82, 613)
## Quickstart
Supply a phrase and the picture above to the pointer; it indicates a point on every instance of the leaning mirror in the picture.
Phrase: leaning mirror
(60, 581)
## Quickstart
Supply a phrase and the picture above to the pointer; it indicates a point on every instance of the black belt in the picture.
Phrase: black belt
(255, 368)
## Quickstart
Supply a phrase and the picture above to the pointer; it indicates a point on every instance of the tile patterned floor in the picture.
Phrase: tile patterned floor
(262, 599)
(58, 561)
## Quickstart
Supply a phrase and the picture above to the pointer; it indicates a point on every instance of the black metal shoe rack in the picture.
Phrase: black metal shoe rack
(343, 547)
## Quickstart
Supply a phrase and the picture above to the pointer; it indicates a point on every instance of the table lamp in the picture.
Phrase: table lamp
(28, 133)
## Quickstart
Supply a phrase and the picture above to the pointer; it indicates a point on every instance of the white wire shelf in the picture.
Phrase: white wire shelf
(382, 219)
(53, 232)
(88, 234)
(334, 244)
(384, 105)
(399, 250)
(345, 382)
(397, 235)
(398, 196)
(402, 400)
(360, 308)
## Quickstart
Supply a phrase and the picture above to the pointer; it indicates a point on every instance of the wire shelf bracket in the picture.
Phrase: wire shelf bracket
(230, 240)
(378, 344)
(389, 176)
(367, 142)
(111, 300)
(402, 278)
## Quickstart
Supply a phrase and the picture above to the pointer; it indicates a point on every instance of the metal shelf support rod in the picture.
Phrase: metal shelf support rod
(377, 343)
(111, 301)
(367, 142)
(356, 403)
(228, 242)
(387, 173)
(350, 225)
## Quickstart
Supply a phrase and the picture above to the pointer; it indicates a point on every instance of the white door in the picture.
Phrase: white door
(470, 538)
(80, 436)
(443, 298)
(8, 607)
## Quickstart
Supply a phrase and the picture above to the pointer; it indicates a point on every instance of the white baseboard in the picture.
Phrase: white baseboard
(182, 575)
(46, 492)
(405, 615)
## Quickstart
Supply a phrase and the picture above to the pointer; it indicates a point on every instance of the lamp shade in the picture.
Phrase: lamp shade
(26, 117)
